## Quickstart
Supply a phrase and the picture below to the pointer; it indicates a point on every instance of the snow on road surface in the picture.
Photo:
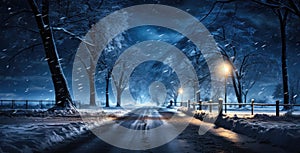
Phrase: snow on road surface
(215, 140)
(187, 142)
(19, 133)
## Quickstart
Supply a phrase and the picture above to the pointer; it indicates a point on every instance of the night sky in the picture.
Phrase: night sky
(24, 73)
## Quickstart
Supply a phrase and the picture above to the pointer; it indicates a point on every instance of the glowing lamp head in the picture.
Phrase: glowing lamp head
(180, 90)
(226, 69)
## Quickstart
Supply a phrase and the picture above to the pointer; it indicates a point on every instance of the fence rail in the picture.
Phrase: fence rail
(29, 103)
(210, 104)
(222, 105)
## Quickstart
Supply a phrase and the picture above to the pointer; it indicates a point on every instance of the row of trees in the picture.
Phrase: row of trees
(241, 84)
(285, 10)
(62, 95)
(47, 28)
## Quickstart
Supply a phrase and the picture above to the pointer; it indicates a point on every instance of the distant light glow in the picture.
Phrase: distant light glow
(226, 69)
(180, 91)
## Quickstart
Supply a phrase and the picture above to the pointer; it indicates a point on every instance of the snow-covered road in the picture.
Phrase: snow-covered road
(146, 119)
(71, 134)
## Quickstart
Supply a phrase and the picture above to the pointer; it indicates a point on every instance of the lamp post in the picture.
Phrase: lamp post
(180, 91)
(226, 71)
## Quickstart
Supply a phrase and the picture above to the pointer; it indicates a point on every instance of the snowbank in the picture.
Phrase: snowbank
(37, 137)
(37, 113)
(283, 131)
(37, 130)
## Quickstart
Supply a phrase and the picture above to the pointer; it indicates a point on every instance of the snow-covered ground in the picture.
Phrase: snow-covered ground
(282, 131)
(35, 131)
(29, 131)
(35, 137)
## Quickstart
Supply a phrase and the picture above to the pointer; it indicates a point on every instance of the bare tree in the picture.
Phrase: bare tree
(62, 95)
(70, 16)
(107, 81)
(91, 74)
(119, 80)
(90, 64)
(240, 66)
(240, 84)
(108, 70)
(247, 85)
(282, 9)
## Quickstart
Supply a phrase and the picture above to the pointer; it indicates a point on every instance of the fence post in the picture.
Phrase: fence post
(277, 107)
(26, 104)
(200, 105)
(188, 104)
(252, 106)
(12, 104)
(220, 106)
(194, 106)
(79, 105)
(41, 104)
(210, 106)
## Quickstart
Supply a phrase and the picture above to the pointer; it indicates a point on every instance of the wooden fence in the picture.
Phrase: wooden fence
(29, 104)
(190, 105)
(210, 104)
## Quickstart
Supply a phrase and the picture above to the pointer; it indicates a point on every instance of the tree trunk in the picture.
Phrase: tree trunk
(92, 90)
(236, 89)
(107, 89)
(62, 95)
(175, 99)
(118, 99)
(91, 75)
(245, 98)
(240, 97)
(284, 68)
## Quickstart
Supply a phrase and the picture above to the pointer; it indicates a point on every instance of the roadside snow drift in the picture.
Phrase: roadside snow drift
(283, 131)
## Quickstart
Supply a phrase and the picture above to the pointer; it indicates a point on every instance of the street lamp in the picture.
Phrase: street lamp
(180, 91)
(226, 71)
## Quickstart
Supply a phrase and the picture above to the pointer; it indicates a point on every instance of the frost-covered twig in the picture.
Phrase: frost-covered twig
(72, 34)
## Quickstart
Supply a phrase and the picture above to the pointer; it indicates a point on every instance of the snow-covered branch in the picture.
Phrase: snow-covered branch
(72, 34)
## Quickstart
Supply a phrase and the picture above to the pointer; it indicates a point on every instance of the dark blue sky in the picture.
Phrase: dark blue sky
(26, 76)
